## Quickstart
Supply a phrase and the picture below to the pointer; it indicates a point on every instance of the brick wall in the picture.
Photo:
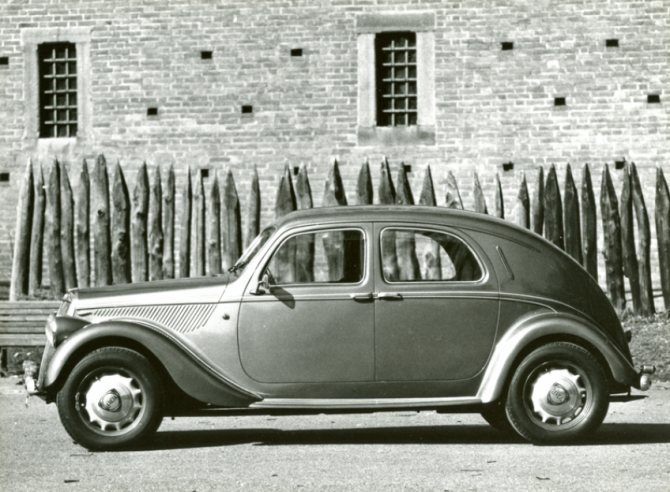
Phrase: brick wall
(492, 105)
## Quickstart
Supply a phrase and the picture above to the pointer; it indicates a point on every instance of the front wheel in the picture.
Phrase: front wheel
(111, 399)
(559, 393)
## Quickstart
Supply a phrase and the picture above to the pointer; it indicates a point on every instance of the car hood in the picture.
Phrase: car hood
(201, 290)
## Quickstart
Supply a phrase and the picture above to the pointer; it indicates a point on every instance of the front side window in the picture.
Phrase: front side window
(334, 256)
(396, 60)
(58, 90)
(426, 256)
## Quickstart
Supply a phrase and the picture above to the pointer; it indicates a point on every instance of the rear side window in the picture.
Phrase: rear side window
(333, 256)
(426, 256)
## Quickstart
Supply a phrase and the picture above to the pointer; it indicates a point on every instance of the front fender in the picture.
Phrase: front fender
(535, 327)
(194, 375)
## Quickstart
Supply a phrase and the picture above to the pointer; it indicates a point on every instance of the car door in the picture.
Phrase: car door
(315, 322)
(436, 308)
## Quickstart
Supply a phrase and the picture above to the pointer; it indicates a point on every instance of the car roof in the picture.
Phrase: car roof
(415, 214)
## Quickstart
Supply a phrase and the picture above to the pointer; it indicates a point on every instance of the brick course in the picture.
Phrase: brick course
(492, 106)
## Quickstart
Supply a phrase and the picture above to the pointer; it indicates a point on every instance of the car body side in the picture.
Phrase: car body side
(543, 295)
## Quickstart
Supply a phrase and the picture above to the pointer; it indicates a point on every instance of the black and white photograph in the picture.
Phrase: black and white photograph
(334, 245)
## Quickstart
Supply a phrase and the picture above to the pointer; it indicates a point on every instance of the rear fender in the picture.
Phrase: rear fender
(533, 328)
(193, 375)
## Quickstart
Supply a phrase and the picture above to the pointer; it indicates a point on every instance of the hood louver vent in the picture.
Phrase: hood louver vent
(183, 318)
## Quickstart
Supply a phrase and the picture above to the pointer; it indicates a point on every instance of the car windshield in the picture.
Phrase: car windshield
(252, 249)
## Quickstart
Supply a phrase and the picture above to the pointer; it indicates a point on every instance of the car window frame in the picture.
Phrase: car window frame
(482, 266)
(272, 250)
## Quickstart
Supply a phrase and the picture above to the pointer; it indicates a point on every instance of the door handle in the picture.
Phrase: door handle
(362, 297)
(389, 295)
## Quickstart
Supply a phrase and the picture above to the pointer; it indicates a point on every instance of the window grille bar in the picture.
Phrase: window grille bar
(396, 79)
(58, 90)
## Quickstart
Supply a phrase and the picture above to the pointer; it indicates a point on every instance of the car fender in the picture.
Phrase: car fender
(532, 328)
(192, 374)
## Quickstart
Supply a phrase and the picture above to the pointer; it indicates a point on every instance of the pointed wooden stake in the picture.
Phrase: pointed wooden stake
(21, 261)
(538, 203)
(609, 211)
(498, 201)
(253, 209)
(101, 239)
(662, 205)
(427, 196)
(54, 228)
(199, 208)
(334, 194)
(522, 207)
(185, 227)
(573, 234)
(140, 271)
(589, 225)
(37, 234)
(647, 307)
(303, 189)
(386, 190)
(82, 227)
(480, 201)
(231, 222)
(629, 255)
(214, 241)
(453, 196)
(120, 226)
(168, 224)
(364, 190)
(553, 210)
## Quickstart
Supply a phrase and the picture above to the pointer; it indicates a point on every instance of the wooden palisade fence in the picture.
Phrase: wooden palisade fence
(134, 235)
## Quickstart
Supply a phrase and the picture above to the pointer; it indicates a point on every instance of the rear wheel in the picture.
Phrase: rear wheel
(559, 393)
(113, 398)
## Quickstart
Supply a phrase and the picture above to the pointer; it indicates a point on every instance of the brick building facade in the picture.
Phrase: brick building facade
(211, 84)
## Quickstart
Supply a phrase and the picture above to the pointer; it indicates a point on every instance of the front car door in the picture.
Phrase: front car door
(437, 305)
(316, 322)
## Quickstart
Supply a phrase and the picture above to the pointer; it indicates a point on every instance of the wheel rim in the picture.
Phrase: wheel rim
(557, 396)
(110, 401)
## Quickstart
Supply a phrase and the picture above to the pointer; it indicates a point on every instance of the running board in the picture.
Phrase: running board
(362, 403)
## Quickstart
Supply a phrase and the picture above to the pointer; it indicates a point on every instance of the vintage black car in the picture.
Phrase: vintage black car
(349, 309)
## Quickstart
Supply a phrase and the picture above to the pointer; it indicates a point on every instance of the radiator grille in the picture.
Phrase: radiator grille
(183, 318)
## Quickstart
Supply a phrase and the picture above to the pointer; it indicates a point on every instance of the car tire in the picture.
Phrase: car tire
(558, 394)
(112, 399)
(496, 416)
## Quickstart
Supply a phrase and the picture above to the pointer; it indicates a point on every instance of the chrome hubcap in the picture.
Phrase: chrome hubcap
(558, 396)
(111, 403)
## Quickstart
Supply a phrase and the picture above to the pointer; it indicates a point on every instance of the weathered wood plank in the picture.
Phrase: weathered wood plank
(199, 207)
(253, 209)
(168, 224)
(589, 224)
(662, 205)
(498, 200)
(305, 243)
(82, 226)
(609, 212)
(214, 240)
(521, 211)
(67, 229)
(364, 189)
(185, 228)
(120, 227)
(156, 226)
(334, 194)
(101, 240)
(24, 215)
(478, 194)
(56, 279)
(453, 196)
(386, 190)
(37, 233)
(537, 204)
(23, 340)
(572, 225)
(140, 270)
(647, 307)
(553, 210)
(629, 255)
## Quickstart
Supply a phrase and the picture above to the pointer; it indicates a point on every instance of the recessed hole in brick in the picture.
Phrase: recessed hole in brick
(296, 52)
(507, 45)
(247, 109)
(204, 172)
(654, 98)
(206, 55)
(4, 61)
(559, 101)
(152, 111)
(4, 177)
(508, 166)
(612, 43)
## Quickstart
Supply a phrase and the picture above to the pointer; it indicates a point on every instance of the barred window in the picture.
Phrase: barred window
(396, 79)
(58, 90)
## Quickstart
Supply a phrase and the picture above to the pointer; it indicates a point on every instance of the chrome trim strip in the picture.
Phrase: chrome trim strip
(364, 402)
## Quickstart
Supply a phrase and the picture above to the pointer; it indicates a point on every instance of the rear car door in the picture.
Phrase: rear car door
(437, 303)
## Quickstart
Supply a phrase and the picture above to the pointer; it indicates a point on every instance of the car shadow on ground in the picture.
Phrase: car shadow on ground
(608, 434)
